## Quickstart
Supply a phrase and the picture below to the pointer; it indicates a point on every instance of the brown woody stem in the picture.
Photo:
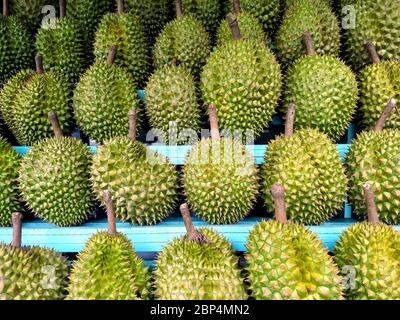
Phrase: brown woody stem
(6, 8)
(373, 55)
(373, 217)
(132, 124)
(289, 123)
(111, 55)
(174, 62)
(215, 135)
(278, 195)
(120, 6)
(234, 26)
(17, 229)
(55, 124)
(39, 64)
(63, 8)
(385, 114)
(236, 6)
(112, 229)
(178, 8)
(308, 44)
(191, 231)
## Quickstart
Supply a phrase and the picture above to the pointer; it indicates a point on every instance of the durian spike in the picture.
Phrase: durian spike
(112, 228)
(39, 64)
(214, 123)
(17, 229)
(111, 55)
(132, 124)
(178, 8)
(278, 195)
(385, 114)
(308, 44)
(191, 231)
(373, 216)
(373, 55)
(234, 26)
(63, 8)
(289, 123)
(55, 124)
(120, 6)
(6, 8)
(236, 6)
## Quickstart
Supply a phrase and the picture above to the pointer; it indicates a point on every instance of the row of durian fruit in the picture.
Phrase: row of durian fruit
(284, 261)
(242, 78)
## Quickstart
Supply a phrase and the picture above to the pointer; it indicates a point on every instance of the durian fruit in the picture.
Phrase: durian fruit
(377, 21)
(154, 15)
(29, 96)
(379, 81)
(30, 273)
(143, 183)
(103, 97)
(220, 178)
(125, 31)
(308, 165)
(198, 266)
(368, 254)
(108, 268)
(62, 46)
(285, 261)
(9, 196)
(171, 97)
(250, 27)
(324, 90)
(54, 179)
(243, 81)
(373, 159)
(313, 16)
(16, 49)
(185, 40)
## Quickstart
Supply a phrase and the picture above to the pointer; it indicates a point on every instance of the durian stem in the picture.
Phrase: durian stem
(234, 26)
(308, 44)
(39, 64)
(111, 55)
(63, 8)
(17, 229)
(373, 217)
(236, 6)
(289, 123)
(385, 114)
(178, 8)
(120, 6)
(191, 231)
(112, 228)
(55, 124)
(6, 8)
(278, 195)
(132, 124)
(214, 123)
(373, 55)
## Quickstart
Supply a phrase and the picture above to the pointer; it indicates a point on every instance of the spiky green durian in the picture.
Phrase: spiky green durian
(243, 81)
(250, 29)
(16, 49)
(26, 100)
(171, 97)
(125, 31)
(313, 16)
(325, 92)
(198, 269)
(54, 181)
(108, 269)
(9, 196)
(374, 158)
(143, 183)
(379, 82)
(220, 180)
(102, 99)
(377, 21)
(308, 165)
(288, 262)
(185, 40)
